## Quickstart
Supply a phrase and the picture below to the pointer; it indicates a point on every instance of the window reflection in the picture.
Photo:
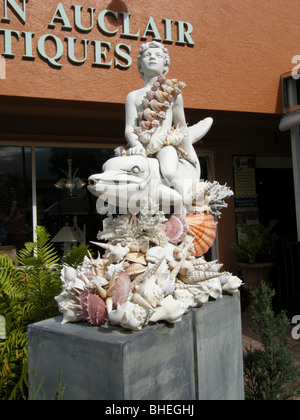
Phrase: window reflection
(15, 198)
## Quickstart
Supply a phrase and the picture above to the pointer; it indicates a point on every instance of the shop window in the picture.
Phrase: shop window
(15, 198)
(64, 205)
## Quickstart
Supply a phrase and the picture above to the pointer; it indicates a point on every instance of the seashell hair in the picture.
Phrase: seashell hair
(154, 44)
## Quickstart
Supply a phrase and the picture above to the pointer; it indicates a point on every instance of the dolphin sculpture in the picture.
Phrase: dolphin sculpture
(126, 181)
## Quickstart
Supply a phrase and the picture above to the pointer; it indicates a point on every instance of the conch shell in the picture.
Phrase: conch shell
(151, 291)
(203, 228)
(170, 310)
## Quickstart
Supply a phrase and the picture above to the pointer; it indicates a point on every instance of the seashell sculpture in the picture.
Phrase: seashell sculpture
(153, 267)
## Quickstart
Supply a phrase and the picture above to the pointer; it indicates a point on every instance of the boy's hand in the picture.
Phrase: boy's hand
(137, 150)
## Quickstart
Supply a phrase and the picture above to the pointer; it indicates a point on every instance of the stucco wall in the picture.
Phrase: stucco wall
(241, 48)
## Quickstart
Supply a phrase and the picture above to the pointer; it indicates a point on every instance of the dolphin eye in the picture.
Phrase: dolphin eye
(135, 170)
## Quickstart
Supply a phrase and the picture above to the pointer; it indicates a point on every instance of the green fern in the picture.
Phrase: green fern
(76, 256)
(26, 296)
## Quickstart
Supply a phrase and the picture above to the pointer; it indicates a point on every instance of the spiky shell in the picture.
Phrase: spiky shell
(93, 308)
(175, 229)
(203, 228)
(122, 289)
(151, 291)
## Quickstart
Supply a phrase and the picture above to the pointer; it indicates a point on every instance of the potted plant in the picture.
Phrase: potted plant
(256, 252)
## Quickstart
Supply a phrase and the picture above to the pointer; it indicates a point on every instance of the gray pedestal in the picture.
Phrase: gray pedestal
(199, 358)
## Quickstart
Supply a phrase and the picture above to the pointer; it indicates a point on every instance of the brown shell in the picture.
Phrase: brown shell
(175, 229)
(122, 289)
(149, 114)
(146, 125)
(161, 96)
(203, 228)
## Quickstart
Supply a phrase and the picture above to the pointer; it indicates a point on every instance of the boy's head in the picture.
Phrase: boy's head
(153, 44)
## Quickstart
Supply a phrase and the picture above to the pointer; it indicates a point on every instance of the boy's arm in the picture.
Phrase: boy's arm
(130, 121)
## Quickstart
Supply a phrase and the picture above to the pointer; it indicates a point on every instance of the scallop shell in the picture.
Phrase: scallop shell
(203, 228)
(170, 310)
(122, 289)
(175, 229)
(136, 257)
(134, 269)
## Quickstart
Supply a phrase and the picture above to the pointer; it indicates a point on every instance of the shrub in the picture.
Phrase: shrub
(270, 372)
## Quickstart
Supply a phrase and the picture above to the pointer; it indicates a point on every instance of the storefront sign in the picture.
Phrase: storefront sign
(71, 19)
(245, 187)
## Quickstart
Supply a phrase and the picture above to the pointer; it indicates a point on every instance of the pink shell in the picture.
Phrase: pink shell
(93, 308)
(175, 229)
(122, 289)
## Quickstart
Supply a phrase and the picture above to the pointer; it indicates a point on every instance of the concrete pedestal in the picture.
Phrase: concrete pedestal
(199, 358)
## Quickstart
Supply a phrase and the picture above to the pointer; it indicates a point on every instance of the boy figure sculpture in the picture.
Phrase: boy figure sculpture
(155, 119)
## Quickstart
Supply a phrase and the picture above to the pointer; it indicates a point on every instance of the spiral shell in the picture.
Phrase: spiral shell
(161, 96)
(203, 228)
(170, 310)
(175, 229)
(149, 115)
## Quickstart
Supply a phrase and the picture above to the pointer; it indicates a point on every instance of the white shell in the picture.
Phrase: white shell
(232, 284)
(170, 310)
(151, 291)
(130, 315)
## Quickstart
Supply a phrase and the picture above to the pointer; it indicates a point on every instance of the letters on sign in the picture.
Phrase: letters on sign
(169, 31)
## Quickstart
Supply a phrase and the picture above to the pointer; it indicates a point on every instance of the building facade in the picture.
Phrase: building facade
(65, 72)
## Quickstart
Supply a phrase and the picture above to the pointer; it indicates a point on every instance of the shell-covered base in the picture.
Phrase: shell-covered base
(143, 281)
